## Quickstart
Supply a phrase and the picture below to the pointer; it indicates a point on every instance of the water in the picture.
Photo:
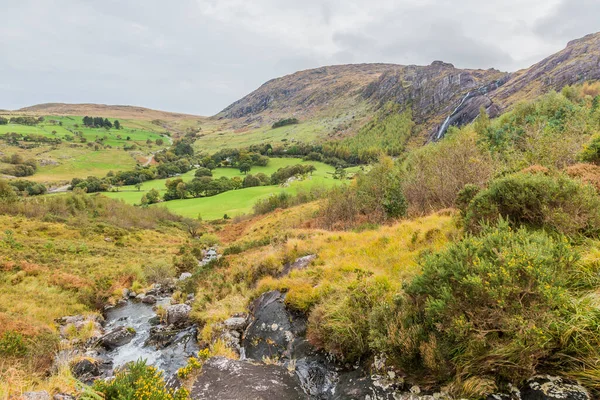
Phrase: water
(138, 315)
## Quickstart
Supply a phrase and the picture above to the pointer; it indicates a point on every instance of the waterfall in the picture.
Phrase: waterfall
(479, 91)
(444, 126)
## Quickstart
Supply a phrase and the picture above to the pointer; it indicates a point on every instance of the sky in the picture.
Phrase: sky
(198, 56)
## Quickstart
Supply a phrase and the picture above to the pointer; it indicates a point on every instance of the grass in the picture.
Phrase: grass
(137, 132)
(387, 254)
(52, 269)
(232, 203)
(332, 123)
(75, 159)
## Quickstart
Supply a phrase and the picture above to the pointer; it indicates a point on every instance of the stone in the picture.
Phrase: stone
(226, 379)
(117, 337)
(545, 387)
(62, 396)
(178, 313)
(42, 395)
(260, 339)
(149, 299)
(357, 385)
(184, 276)
(299, 263)
(132, 294)
(235, 323)
(85, 368)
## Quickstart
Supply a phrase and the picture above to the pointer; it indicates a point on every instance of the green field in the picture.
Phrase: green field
(234, 202)
(51, 127)
(77, 157)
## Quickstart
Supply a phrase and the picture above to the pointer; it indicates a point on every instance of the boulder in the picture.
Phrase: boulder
(149, 299)
(269, 333)
(300, 263)
(42, 395)
(226, 379)
(178, 313)
(62, 396)
(545, 387)
(235, 323)
(184, 276)
(357, 385)
(85, 368)
(117, 337)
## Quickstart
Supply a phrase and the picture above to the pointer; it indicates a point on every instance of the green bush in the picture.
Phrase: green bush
(140, 382)
(497, 305)
(284, 122)
(12, 344)
(340, 325)
(552, 202)
(591, 152)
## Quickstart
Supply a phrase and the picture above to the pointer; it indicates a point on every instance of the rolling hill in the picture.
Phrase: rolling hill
(439, 94)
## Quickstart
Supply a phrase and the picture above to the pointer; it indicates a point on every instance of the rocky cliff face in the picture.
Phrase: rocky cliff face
(439, 94)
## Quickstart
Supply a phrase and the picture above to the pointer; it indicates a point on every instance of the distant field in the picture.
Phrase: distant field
(114, 137)
(218, 135)
(75, 158)
(234, 202)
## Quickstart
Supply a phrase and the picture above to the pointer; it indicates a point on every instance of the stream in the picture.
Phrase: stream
(140, 316)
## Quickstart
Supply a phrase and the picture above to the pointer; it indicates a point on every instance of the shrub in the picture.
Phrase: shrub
(591, 151)
(339, 325)
(557, 203)
(284, 122)
(159, 272)
(497, 305)
(138, 381)
(12, 344)
(437, 172)
(200, 172)
(376, 196)
(587, 173)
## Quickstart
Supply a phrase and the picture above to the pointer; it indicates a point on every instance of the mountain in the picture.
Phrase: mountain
(114, 111)
(439, 94)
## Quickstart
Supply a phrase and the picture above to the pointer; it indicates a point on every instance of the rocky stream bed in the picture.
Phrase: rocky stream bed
(275, 359)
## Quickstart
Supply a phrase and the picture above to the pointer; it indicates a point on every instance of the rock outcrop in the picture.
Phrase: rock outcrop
(439, 95)
(178, 314)
(226, 379)
(117, 337)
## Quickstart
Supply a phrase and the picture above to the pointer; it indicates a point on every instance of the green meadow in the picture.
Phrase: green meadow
(51, 127)
(235, 202)
(75, 157)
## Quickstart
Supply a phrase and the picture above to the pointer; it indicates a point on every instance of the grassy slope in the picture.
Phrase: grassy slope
(76, 159)
(234, 202)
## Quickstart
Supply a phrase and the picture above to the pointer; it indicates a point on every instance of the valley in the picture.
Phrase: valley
(363, 231)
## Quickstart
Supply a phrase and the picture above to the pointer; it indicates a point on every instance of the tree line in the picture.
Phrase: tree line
(99, 122)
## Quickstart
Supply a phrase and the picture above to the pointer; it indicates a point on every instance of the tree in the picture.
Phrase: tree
(3, 121)
(7, 193)
(251, 181)
(181, 190)
(200, 172)
(159, 142)
(138, 186)
(245, 168)
(482, 123)
(153, 196)
(340, 173)
(117, 124)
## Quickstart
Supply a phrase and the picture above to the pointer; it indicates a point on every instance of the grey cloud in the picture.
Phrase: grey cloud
(571, 19)
(198, 56)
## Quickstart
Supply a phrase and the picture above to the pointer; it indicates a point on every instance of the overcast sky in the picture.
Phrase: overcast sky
(197, 56)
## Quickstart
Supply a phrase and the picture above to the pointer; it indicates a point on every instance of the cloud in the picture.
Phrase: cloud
(198, 56)
(571, 19)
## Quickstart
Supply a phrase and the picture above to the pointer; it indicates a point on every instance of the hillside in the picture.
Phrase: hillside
(113, 111)
(433, 93)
